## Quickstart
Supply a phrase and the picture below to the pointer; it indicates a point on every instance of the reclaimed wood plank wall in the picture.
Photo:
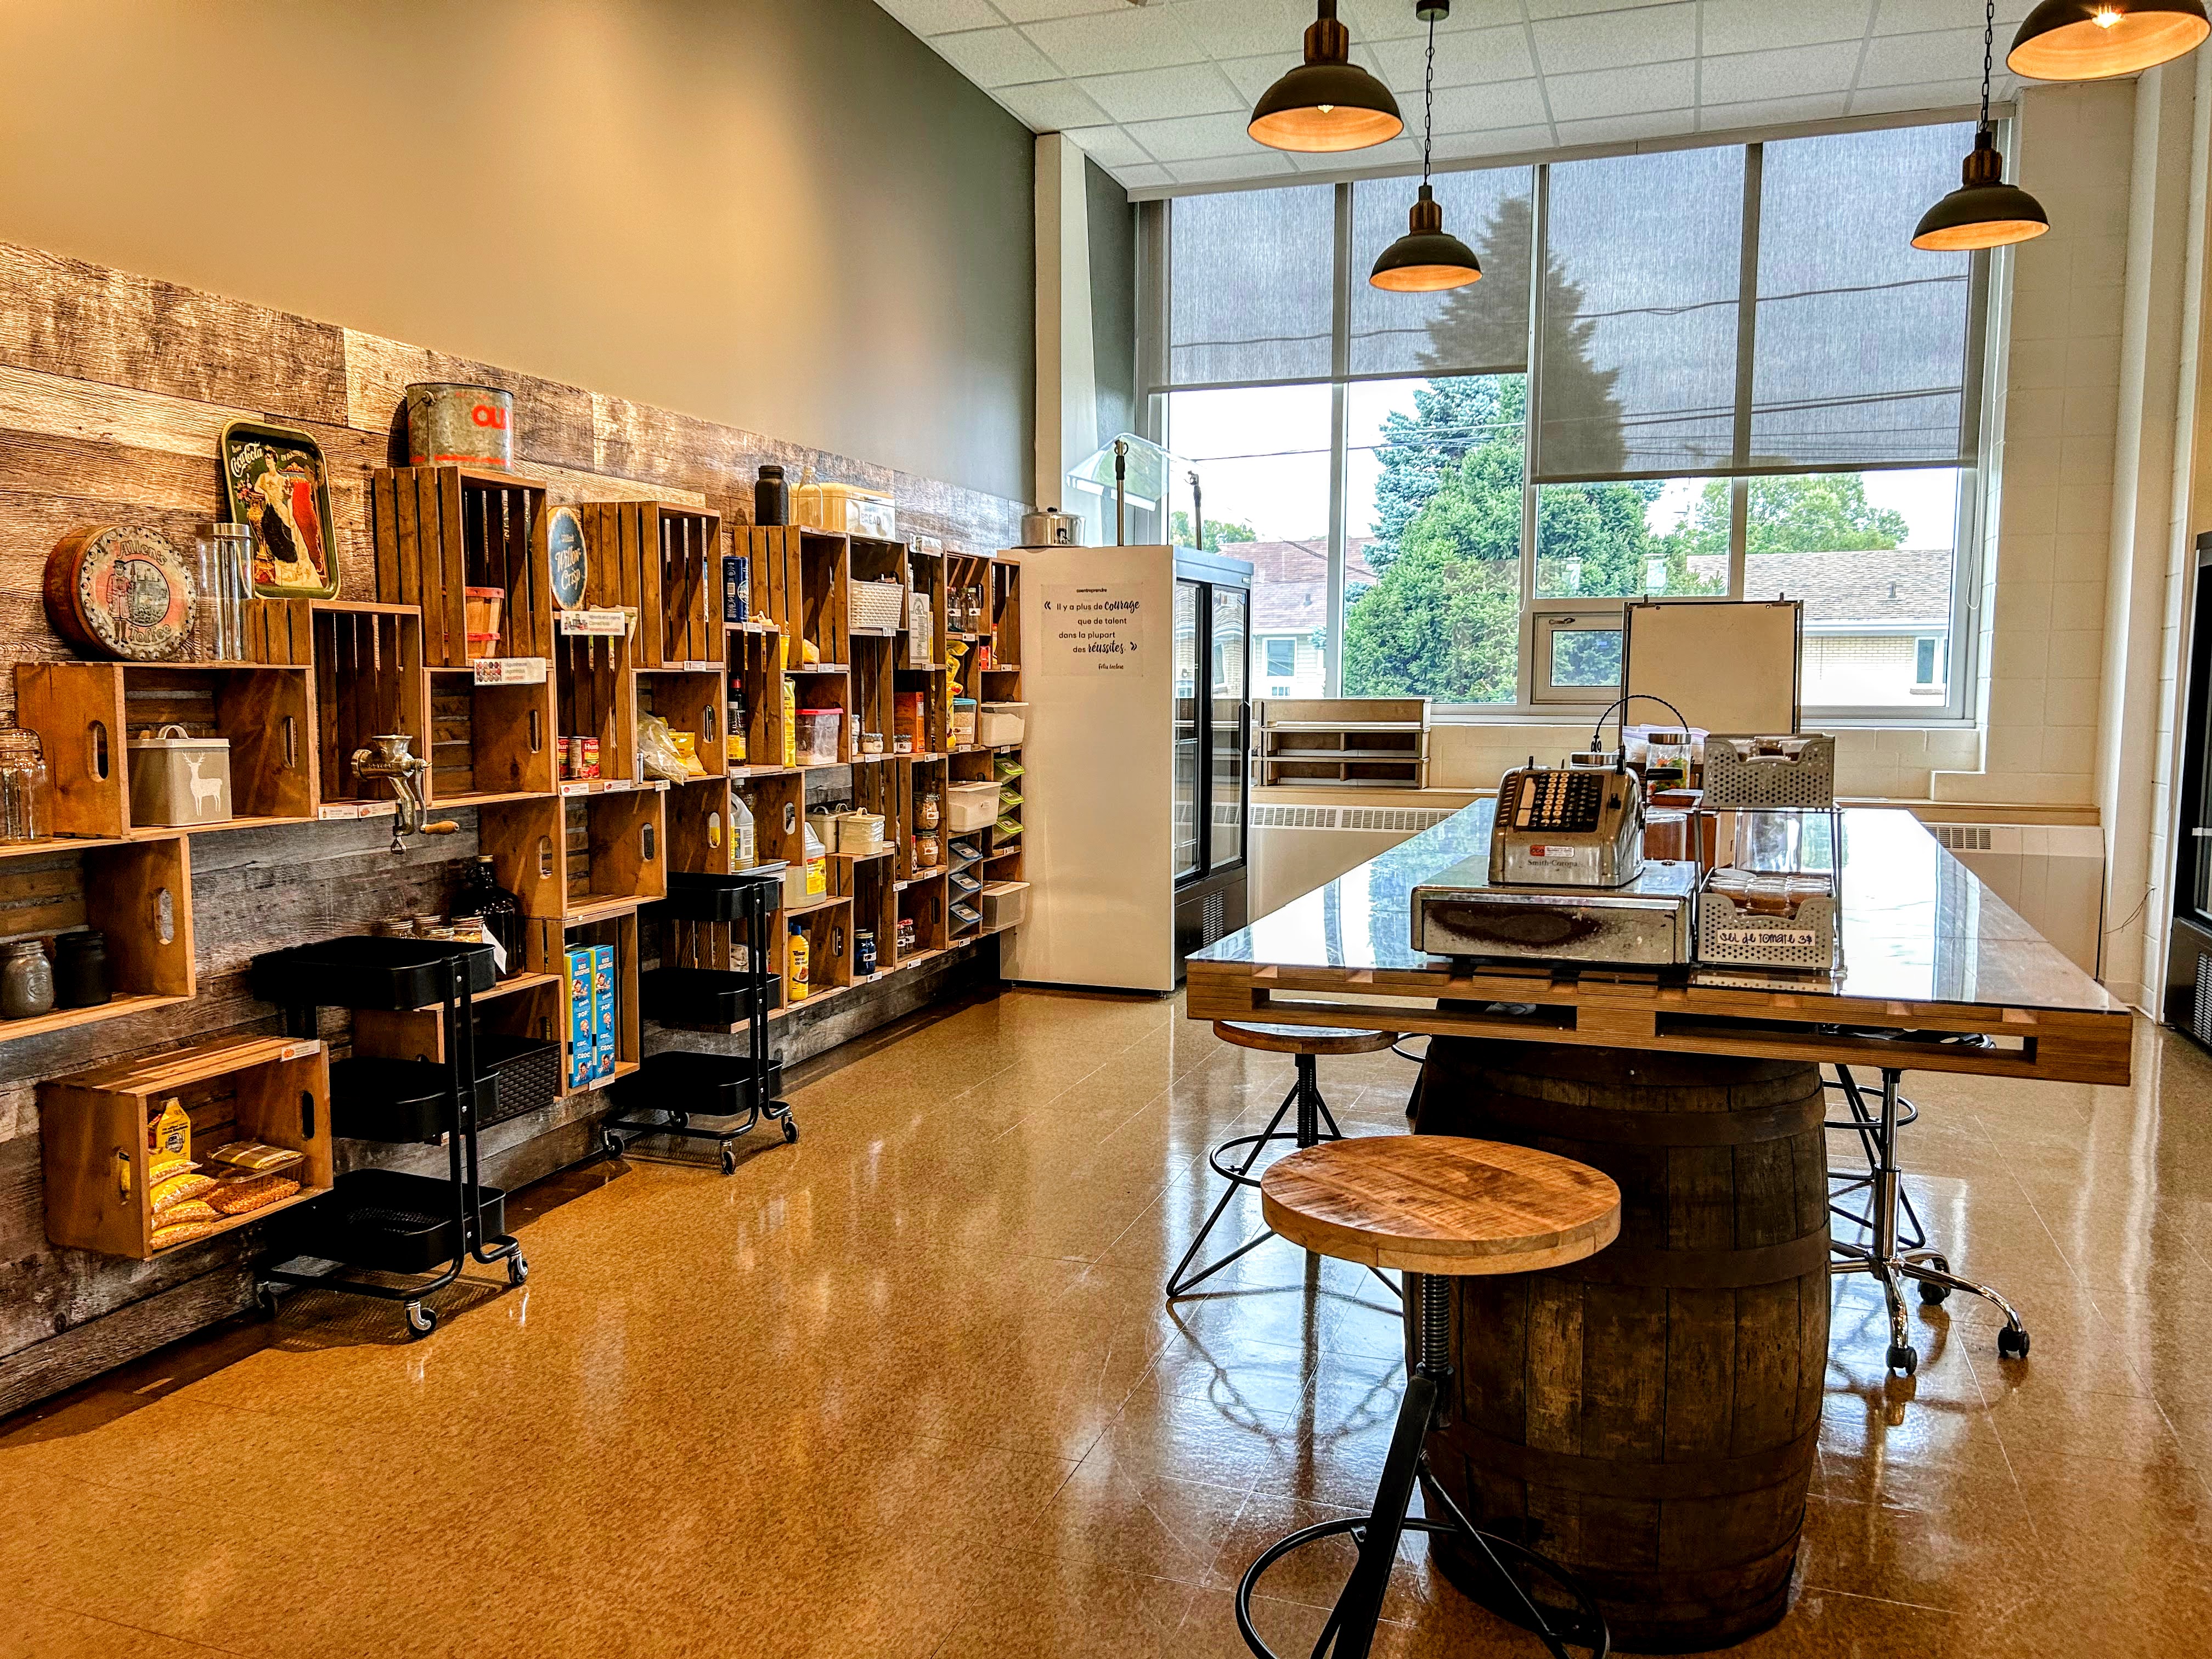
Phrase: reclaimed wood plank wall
(113, 390)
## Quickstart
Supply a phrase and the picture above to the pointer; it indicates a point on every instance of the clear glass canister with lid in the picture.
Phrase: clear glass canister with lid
(223, 575)
(25, 787)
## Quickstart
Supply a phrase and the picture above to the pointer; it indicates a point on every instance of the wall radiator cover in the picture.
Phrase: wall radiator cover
(1401, 820)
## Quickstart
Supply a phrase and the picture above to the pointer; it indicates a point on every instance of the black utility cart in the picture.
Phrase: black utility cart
(715, 975)
(390, 1221)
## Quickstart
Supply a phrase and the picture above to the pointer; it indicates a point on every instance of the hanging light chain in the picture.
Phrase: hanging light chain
(1988, 57)
(1429, 97)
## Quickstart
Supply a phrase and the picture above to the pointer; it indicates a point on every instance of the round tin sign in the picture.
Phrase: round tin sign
(119, 592)
(564, 546)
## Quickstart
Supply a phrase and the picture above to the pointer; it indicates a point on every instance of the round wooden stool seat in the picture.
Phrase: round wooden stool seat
(1302, 1039)
(1439, 1203)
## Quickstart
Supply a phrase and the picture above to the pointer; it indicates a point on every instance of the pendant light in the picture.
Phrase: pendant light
(2095, 40)
(1328, 102)
(1984, 211)
(1426, 258)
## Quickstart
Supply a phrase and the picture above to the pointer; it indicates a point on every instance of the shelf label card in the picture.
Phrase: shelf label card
(510, 671)
(1094, 628)
(598, 624)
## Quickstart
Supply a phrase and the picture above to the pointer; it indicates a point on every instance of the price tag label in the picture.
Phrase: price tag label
(596, 624)
(510, 671)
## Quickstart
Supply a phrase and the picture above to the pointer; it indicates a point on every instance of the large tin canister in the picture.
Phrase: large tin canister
(459, 425)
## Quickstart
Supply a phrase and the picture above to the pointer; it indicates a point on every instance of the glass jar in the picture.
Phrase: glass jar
(864, 951)
(25, 787)
(80, 969)
(927, 814)
(27, 980)
(925, 852)
(223, 576)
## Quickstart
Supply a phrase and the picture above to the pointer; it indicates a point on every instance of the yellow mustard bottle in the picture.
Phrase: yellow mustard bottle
(795, 977)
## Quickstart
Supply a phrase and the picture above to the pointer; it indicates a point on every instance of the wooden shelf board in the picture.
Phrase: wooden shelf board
(598, 907)
(506, 988)
(683, 668)
(812, 905)
(232, 1223)
(31, 850)
(61, 1019)
(873, 633)
(218, 667)
(489, 798)
(750, 627)
(819, 668)
(166, 831)
(883, 851)
(815, 993)
(1003, 668)
(364, 608)
(1382, 756)
(623, 1069)
(762, 771)
(1003, 853)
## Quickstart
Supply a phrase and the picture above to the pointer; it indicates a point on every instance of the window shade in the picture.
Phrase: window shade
(1249, 285)
(1860, 358)
(1481, 329)
(1641, 293)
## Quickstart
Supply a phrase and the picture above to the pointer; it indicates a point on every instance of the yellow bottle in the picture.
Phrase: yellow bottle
(790, 722)
(169, 1140)
(795, 976)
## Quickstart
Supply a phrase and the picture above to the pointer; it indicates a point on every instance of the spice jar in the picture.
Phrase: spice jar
(27, 980)
(80, 969)
(864, 951)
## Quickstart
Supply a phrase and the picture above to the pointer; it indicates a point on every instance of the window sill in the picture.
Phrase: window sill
(1553, 715)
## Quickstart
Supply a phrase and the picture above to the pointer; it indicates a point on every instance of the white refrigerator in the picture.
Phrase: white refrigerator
(1138, 787)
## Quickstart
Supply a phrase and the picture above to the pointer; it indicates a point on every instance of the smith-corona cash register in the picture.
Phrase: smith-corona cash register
(1565, 879)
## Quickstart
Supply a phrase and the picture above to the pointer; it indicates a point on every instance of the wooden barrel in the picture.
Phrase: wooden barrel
(1647, 1418)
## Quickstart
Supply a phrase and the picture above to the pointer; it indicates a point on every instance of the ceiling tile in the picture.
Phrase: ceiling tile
(1912, 16)
(1191, 136)
(1394, 20)
(1624, 128)
(995, 57)
(926, 17)
(1038, 11)
(1230, 167)
(1772, 111)
(1142, 176)
(1108, 146)
(1157, 94)
(1893, 60)
(1238, 29)
(1618, 39)
(1253, 75)
(1474, 109)
(1134, 38)
(1540, 10)
(1621, 92)
(1506, 141)
(1465, 55)
(1791, 72)
(1758, 25)
(1399, 152)
(1050, 105)
(1925, 95)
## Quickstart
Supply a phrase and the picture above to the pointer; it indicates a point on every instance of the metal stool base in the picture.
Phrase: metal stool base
(1888, 1257)
(1313, 1113)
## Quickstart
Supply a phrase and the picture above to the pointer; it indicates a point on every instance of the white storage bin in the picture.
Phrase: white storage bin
(875, 605)
(970, 806)
(860, 833)
(178, 780)
(1001, 723)
(1003, 903)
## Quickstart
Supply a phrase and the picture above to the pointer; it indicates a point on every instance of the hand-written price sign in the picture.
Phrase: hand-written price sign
(1093, 627)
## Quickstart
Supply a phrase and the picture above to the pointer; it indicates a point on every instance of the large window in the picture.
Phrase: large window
(1690, 372)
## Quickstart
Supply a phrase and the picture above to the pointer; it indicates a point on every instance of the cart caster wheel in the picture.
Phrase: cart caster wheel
(2012, 1343)
(265, 1299)
(790, 1132)
(517, 1270)
(729, 1160)
(1904, 1359)
(421, 1321)
(679, 1120)
(611, 1144)
(1932, 1294)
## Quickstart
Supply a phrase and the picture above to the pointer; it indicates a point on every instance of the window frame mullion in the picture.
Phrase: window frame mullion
(1339, 362)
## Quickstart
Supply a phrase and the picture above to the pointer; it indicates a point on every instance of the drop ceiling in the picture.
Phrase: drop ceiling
(1157, 91)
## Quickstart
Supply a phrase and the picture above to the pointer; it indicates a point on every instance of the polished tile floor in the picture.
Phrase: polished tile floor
(908, 1389)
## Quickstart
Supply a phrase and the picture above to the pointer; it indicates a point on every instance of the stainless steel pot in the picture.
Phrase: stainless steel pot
(1051, 528)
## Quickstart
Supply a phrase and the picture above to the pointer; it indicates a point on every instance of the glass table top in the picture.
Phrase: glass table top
(1918, 924)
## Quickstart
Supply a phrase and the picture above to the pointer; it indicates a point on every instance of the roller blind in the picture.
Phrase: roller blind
(1481, 329)
(1861, 338)
(1249, 285)
(1642, 297)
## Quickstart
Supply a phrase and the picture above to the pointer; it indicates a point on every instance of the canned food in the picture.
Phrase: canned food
(588, 766)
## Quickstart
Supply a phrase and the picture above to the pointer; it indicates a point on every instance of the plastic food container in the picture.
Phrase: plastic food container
(1004, 903)
(963, 722)
(1001, 723)
(846, 508)
(818, 733)
(177, 779)
(970, 806)
(860, 832)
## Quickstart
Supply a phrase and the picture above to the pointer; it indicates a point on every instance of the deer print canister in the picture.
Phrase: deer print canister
(450, 425)
(178, 780)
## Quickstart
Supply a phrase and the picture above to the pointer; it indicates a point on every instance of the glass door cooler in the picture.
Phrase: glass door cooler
(1213, 747)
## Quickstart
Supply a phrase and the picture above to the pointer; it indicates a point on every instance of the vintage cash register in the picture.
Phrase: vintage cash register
(1565, 879)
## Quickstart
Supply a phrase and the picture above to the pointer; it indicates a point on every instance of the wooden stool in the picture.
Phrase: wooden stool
(1306, 1043)
(1434, 1206)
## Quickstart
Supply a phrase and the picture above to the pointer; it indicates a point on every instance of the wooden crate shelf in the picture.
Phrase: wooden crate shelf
(489, 742)
(546, 940)
(370, 679)
(93, 1130)
(1373, 742)
(664, 562)
(595, 685)
(442, 529)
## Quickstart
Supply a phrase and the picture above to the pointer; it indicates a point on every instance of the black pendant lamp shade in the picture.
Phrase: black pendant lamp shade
(1427, 258)
(1984, 212)
(1328, 102)
(2095, 39)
